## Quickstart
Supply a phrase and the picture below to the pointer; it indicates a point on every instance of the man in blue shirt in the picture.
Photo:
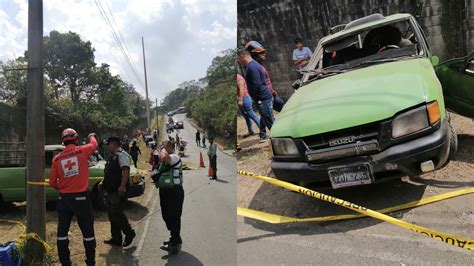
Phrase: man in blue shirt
(258, 90)
(301, 54)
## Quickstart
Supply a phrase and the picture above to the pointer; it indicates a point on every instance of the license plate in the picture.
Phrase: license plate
(350, 176)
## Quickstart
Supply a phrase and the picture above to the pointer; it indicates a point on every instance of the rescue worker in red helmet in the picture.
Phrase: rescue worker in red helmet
(70, 176)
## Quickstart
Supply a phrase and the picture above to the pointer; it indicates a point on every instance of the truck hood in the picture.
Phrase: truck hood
(354, 98)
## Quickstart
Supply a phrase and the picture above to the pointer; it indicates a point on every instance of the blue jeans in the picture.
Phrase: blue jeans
(265, 108)
(247, 112)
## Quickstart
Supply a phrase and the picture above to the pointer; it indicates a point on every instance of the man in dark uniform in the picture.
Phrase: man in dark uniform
(198, 138)
(70, 175)
(116, 184)
(134, 152)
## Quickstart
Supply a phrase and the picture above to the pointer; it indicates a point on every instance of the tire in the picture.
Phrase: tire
(98, 199)
(453, 141)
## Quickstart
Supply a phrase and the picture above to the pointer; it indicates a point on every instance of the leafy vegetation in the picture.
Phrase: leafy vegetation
(78, 92)
(210, 101)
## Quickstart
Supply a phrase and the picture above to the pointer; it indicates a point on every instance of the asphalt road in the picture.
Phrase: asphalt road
(209, 217)
(363, 241)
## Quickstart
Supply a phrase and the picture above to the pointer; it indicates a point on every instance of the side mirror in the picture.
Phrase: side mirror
(296, 84)
(434, 60)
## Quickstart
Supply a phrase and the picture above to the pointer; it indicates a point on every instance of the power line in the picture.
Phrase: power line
(127, 52)
(121, 39)
(126, 56)
(118, 42)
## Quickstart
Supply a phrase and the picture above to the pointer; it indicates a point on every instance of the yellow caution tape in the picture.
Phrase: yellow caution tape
(45, 183)
(446, 238)
(23, 237)
(37, 183)
(278, 219)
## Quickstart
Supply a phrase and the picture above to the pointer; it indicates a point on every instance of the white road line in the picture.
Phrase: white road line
(150, 194)
(137, 252)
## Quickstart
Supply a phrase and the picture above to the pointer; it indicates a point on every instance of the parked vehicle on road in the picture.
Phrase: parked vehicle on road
(371, 105)
(13, 177)
(179, 124)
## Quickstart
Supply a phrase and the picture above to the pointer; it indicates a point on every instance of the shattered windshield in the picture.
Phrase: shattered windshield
(386, 43)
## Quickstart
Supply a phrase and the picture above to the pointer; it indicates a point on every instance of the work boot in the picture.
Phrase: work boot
(129, 239)
(113, 242)
(165, 243)
(172, 248)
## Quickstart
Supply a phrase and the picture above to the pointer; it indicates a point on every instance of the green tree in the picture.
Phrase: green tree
(222, 68)
(69, 62)
(78, 93)
(13, 82)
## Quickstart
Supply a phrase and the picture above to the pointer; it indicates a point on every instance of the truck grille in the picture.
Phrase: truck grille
(342, 143)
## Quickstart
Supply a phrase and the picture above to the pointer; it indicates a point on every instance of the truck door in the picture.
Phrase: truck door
(457, 79)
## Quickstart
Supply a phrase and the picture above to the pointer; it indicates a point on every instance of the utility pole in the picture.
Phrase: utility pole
(156, 113)
(35, 197)
(146, 88)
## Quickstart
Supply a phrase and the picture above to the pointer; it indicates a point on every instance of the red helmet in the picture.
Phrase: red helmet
(69, 134)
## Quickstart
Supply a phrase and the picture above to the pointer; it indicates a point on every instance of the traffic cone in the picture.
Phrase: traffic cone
(201, 160)
(210, 173)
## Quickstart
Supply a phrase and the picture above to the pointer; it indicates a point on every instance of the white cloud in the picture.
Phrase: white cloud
(174, 32)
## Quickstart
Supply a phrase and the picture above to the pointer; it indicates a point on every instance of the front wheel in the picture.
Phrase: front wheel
(453, 141)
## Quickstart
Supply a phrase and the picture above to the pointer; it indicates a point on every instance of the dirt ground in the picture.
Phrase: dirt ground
(255, 157)
(136, 211)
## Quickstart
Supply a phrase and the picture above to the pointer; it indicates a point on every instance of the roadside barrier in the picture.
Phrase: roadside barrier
(443, 237)
(201, 160)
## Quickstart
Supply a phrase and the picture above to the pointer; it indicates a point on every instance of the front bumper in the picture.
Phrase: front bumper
(397, 160)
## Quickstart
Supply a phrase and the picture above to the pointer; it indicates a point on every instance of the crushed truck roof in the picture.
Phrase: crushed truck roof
(370, 24)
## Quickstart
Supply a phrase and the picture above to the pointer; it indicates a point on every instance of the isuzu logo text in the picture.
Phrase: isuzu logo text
(341, 141)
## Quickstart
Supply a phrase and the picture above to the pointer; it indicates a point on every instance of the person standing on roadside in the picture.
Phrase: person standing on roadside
(258, 90)
(125, 145)
(212, 154)
(134, 152)
(198, 138)
(116, 184)
(154, 156)
(178, 142)
(169, 180)
(204, 136)
(301, 54)
(245, 104)
(259, 54)
(70, 176)
(103, 149)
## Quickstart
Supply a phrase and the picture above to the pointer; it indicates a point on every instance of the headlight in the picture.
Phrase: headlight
(410, 122)
(284, 146)
(433, 112)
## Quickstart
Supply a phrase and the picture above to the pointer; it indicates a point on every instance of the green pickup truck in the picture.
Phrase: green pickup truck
(371, 105)
(13, 181)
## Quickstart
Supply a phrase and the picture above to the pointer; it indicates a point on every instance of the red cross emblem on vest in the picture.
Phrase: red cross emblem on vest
(70, 164)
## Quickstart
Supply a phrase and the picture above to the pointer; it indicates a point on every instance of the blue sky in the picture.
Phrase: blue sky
(181, 36)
